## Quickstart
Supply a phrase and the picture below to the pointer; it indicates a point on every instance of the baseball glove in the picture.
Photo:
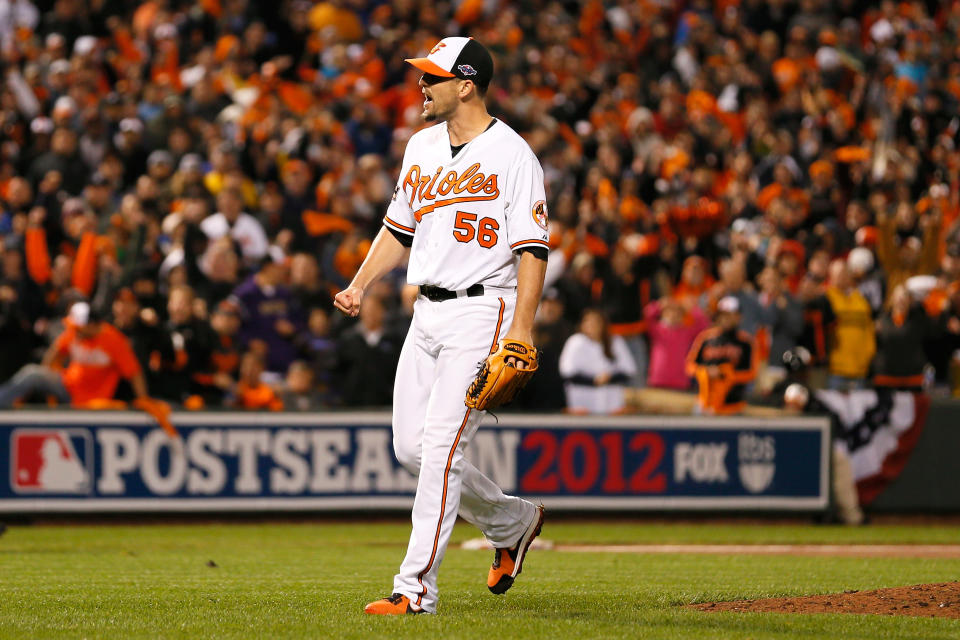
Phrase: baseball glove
(499, 381)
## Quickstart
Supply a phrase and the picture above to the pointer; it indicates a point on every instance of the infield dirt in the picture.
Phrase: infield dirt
(941, 600)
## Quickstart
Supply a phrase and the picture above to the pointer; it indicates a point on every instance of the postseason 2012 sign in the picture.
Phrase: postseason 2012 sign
(63, 461)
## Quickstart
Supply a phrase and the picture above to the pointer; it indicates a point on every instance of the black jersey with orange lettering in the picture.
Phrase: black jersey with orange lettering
(732, 351)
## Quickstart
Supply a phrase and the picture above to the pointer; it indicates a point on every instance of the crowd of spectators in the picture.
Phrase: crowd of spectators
(206, 174)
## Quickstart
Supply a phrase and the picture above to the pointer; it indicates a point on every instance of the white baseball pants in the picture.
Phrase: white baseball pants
(432, 428)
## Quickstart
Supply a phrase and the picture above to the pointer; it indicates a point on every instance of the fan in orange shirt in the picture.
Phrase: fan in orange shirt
(97, 355)
(250, 392)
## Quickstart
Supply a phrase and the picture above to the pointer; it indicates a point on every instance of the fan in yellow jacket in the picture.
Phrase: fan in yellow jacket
(854, 342)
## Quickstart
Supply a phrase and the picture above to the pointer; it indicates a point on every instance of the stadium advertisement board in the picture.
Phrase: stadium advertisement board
(118, 461)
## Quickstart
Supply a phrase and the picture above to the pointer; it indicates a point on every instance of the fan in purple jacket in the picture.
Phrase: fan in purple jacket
(271, 316)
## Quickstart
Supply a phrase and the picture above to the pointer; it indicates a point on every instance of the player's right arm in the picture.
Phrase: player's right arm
(385, 254)
(389, 248)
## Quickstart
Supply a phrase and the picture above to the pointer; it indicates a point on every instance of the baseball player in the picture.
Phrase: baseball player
(470, 206)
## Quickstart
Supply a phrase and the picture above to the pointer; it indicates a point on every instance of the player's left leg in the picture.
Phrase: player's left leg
(500, 517)
(509, 523)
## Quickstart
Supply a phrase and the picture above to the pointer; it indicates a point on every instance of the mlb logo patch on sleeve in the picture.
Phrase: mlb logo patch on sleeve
(50, 461)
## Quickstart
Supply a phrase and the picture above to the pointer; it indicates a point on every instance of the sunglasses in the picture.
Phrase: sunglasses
(429, 79)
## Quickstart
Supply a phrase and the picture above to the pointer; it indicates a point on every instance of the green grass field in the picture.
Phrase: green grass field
(311, 581)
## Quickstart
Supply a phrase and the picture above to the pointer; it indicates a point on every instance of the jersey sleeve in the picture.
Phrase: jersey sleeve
(527, 207)
(399, 216)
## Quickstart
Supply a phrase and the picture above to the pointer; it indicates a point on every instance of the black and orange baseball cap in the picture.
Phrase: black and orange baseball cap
(458, 57)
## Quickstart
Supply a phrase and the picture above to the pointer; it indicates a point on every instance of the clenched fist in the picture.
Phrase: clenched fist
(348, 301)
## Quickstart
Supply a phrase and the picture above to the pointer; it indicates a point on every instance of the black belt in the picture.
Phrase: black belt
(438, 294)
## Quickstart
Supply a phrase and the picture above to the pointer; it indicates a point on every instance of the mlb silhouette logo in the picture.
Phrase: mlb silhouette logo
(51, 461)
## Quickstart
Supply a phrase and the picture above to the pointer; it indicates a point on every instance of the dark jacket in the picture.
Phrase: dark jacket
(152, 346)
(193, 343)
(545, 391)
(900, 355)
(367, 372)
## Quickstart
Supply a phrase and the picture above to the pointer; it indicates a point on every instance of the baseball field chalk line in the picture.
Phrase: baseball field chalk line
(851, 550)
(855, 550)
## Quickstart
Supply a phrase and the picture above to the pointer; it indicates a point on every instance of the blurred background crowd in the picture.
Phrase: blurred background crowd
(741, 193)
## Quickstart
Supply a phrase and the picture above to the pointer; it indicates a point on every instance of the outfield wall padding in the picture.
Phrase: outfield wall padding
(85, 461)
(930, 481)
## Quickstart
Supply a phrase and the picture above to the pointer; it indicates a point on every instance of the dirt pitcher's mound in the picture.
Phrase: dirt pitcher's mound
(925, 600)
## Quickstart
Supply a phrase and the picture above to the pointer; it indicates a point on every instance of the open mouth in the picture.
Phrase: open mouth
(427, 100)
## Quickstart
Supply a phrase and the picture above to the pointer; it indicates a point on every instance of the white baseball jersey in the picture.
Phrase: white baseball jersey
(468, 213)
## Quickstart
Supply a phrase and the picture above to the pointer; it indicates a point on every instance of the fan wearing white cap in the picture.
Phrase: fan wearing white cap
(96, 354)
(470, 206)
(721, 361)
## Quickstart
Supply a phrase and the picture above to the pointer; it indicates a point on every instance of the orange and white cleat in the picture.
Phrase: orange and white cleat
(507, 563)
(395, 605)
